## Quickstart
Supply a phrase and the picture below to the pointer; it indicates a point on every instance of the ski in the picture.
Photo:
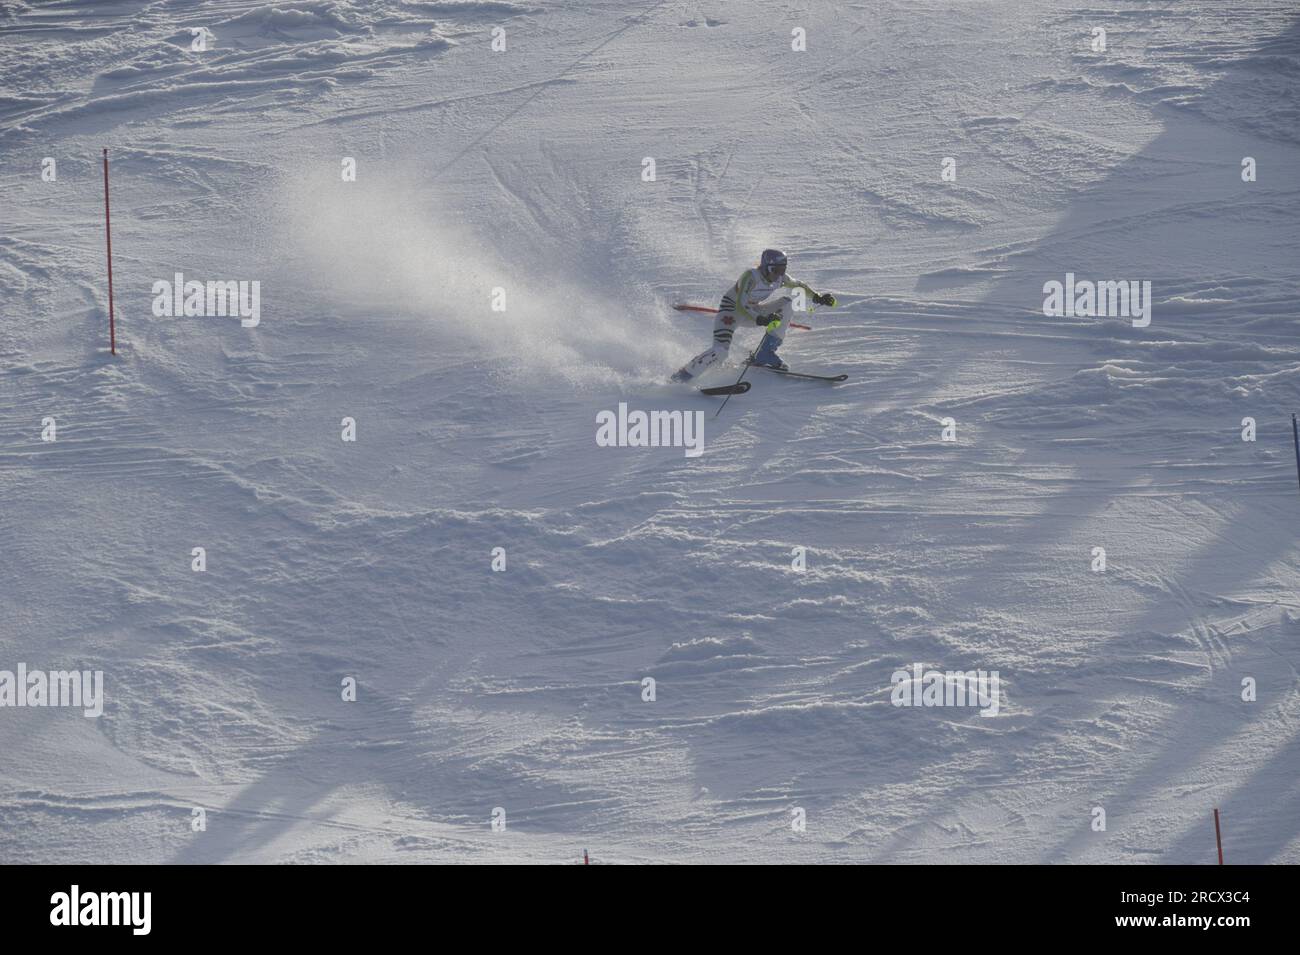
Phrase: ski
(800, 374)
(737, 389)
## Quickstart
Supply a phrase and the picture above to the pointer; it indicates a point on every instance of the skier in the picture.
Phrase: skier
(760, 295)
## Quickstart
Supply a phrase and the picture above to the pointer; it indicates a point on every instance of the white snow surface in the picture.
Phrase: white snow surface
(1121, 689)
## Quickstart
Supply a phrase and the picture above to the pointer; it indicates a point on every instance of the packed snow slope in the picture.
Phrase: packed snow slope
(521, 173)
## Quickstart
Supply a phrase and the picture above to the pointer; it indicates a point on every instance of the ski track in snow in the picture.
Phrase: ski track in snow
(475, 430)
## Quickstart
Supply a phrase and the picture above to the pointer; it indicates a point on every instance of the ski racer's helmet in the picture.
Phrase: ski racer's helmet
(772, 265)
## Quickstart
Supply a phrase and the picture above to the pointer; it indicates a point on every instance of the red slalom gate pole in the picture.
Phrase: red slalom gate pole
(108, 239)
(714, 311)
(1218, 836)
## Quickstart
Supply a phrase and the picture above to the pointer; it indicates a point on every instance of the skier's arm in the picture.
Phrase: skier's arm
(818, 298)
(788, 282)
(762, 308)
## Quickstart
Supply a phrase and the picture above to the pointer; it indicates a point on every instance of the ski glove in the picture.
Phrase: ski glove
(826, 298)
(767, 319)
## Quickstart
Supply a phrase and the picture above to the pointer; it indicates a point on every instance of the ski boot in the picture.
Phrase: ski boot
(766, 355)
